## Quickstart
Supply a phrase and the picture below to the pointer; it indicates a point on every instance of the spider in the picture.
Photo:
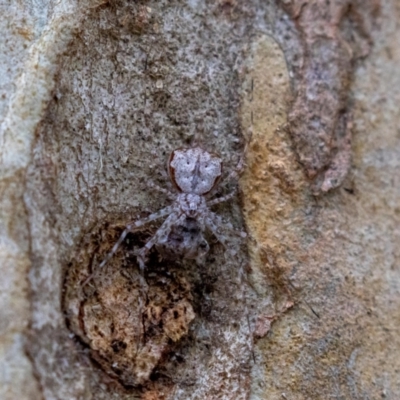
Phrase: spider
(195, 173)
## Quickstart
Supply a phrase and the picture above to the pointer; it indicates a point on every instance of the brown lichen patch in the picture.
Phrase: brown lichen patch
(277, 202)
(273, 183)
(176, 320)
(334, 36)
(156, 394)
(127, 320)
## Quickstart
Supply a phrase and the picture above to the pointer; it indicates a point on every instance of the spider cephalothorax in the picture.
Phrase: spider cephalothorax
(194, 170)
(194, 173)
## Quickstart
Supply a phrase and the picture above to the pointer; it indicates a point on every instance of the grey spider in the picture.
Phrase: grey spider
(194, 173)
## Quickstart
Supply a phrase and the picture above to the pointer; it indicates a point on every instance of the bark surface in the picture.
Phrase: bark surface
(94, 97)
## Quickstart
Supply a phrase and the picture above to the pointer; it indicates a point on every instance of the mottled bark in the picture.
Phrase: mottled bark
(96, 94)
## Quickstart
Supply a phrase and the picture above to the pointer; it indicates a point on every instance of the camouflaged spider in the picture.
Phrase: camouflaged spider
(194, 173)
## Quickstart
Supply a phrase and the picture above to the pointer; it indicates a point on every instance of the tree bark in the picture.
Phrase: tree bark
(96, 94)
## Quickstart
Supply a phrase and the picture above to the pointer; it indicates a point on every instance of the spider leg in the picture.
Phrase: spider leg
(232, 176)
(221, 199)
(131, 226)
(163, 230)
(220, 229)
(236, 172)
(168, 193)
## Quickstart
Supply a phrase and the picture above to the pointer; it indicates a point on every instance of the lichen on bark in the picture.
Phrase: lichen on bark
(96, 95)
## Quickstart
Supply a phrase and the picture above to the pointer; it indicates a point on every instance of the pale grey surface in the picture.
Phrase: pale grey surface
(93, 99)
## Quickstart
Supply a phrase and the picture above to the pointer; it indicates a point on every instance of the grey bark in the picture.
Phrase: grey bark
(94, 96)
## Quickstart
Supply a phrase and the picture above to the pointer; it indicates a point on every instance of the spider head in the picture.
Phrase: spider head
(194, 170)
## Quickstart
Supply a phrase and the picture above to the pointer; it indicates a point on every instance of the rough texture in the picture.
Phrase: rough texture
(334, 35)
(326, 268)
(94, 98)
(146, 94)
(33, 43)
(128, 323)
